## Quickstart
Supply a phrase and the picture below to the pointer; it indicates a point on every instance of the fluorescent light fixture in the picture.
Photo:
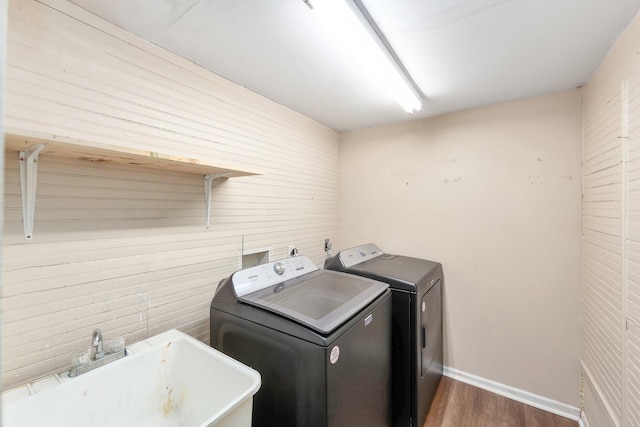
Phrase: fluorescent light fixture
(352, 26)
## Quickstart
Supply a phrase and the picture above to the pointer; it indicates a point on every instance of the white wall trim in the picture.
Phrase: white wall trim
(597, 394)
(522, 396)
(583, 421)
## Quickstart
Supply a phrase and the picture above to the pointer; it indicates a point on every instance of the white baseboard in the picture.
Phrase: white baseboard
(583, 421)
(599, 409)
(522, 396)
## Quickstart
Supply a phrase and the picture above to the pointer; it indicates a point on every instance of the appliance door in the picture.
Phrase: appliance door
(431, 326)
(430, 347)
(321, 300)
(358, 366)
(293, 390)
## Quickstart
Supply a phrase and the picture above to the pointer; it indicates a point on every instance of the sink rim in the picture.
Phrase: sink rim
(14, 399)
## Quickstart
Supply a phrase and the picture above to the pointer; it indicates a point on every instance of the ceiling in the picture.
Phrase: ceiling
(461, 53)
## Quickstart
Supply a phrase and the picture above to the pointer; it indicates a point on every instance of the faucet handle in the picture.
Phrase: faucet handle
(81, 357)
(115, 345)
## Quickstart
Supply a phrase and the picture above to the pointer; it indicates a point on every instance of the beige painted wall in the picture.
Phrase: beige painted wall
(123, 248)
(494, 194)
(611, 247)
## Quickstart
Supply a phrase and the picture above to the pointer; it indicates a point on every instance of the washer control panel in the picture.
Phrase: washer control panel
(270, 274)
(357, 254)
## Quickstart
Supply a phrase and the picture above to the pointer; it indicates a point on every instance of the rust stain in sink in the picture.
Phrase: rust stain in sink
(169, 405)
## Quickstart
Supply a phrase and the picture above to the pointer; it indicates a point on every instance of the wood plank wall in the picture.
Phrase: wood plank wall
(611, 242)
(124, 248)
(602, 247)
(632, 279)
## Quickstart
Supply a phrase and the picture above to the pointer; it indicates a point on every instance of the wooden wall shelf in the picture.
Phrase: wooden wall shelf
(103, 153)
(31, 147)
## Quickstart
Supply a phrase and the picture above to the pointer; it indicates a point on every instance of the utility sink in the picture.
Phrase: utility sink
(171, 379)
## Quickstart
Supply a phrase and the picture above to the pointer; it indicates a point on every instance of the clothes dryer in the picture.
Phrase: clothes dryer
(416, 286)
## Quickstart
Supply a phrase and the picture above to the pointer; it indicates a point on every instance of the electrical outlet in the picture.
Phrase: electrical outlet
(292, 251)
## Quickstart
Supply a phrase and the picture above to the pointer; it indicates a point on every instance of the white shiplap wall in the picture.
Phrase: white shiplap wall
(632, 294)
(602, 247)
(611, 243)
(124, 248)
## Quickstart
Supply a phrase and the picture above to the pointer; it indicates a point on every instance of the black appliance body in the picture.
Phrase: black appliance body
(321, 342)
(416, 286)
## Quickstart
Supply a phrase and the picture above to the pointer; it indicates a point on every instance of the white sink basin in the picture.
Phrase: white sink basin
(171, 379)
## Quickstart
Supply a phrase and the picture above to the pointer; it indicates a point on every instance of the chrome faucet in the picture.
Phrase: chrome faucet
(96, 343)
(93, 357)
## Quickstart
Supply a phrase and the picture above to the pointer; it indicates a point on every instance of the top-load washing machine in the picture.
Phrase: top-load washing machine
(321, 340)
(416, 286)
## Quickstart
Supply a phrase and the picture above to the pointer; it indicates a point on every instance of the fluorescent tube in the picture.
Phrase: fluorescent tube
(347, 25)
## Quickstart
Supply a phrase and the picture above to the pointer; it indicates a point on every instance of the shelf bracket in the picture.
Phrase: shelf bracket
(208, 183)
(28, 181)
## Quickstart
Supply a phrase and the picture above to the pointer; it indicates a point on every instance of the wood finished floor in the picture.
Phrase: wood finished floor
(457, 404)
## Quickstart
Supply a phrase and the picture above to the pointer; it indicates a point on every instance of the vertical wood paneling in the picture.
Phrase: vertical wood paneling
(632, 399)
(611, 243)
(602, 246)
(633, 375)
(123, 248)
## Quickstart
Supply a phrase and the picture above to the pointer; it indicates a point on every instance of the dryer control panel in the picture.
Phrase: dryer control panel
(357, 254)
(270, 274)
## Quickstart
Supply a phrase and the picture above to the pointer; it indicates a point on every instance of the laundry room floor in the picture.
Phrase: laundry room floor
(458, 404)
